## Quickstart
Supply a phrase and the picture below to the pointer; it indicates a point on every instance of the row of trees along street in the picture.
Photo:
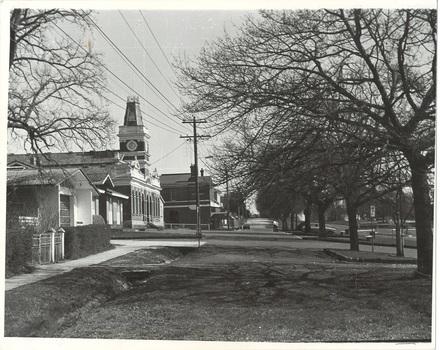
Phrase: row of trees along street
(325, 103)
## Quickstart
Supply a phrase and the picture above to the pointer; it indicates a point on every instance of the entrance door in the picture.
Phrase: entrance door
(64, 210)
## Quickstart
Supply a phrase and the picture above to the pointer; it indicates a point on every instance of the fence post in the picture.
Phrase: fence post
(61, 231)
(52, 231)
(38, 237)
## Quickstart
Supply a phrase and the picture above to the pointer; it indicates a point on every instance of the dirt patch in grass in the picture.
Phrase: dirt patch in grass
(151, 256)
(233, 294)
(266, 304)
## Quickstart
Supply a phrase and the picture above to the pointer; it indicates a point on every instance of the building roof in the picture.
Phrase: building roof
(71, 159)
(32, 177)
(98, 175)
(182, 179)
(99, 166)
(168, 179)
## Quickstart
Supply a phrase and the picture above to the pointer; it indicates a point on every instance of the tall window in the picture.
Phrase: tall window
(173, 195)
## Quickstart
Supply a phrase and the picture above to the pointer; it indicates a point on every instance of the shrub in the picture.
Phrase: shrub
(18, 250)
(98, 220)
(81, 241)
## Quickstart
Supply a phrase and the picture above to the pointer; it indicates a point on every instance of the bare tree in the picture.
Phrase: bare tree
(376, 68)
(55, 84)
(278, 201)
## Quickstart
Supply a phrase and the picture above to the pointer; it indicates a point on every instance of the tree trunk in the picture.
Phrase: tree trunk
(399, 242)
(15, 19)
(307, 215)
(423, 216)
(352, 225)
(284, 222)
(321, 220)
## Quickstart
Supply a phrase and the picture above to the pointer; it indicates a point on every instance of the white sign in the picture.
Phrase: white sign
(372, 211)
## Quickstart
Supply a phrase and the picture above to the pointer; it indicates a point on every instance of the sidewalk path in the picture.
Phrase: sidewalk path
(122, 247)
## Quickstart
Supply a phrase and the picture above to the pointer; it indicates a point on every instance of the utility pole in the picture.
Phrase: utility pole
(194, 122)
(227, 198)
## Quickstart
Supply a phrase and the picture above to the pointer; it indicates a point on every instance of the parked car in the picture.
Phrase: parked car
(314, 228)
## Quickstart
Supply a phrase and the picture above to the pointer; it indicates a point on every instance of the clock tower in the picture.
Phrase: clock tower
(134, 136)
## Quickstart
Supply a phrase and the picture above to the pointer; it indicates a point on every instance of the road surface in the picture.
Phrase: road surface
(261, 234)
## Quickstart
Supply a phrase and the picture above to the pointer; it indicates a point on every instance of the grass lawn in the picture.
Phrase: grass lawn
(229, 294)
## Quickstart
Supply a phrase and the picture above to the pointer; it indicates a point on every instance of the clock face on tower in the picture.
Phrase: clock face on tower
(132, 145)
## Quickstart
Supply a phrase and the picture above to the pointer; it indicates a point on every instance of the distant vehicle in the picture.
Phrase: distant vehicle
(314, 228)
(246, 227)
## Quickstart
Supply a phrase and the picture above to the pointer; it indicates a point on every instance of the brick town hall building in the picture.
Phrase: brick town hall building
(114, 184)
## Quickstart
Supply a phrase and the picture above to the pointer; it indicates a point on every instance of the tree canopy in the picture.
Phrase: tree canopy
(290, 76)
(55, 82)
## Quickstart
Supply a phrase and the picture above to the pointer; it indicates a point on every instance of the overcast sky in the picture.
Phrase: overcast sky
(152, 40)
(177, 33)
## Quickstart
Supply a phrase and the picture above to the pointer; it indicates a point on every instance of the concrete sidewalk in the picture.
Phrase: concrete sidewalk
(122, 247)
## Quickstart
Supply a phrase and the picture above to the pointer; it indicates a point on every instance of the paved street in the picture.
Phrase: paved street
(260, 235)
(273, 240)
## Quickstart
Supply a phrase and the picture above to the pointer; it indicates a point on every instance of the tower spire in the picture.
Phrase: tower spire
(133, 135)
(133, 115)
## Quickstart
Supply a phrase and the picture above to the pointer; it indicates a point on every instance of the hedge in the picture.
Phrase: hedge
(18, 250)
(81, 241)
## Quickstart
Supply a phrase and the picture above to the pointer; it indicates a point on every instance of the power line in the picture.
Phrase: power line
(108, 70)
(166, 155)
(131, 63)
(119, 51)
(140, 42)
(175, 131)
(157, 42)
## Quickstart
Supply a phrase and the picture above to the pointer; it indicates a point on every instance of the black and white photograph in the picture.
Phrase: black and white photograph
(225, 175)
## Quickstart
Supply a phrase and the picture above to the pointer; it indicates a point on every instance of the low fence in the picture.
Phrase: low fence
(48, 246)
(188, 226)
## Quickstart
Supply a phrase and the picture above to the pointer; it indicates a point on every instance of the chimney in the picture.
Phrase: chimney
(202, 172)
(34, 160)
(193, 170)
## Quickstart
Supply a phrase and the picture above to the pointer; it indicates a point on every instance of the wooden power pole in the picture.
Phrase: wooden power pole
(194, 122)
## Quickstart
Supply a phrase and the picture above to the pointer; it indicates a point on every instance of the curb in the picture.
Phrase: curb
(342, 257)
(174, 237)
(363, 242)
